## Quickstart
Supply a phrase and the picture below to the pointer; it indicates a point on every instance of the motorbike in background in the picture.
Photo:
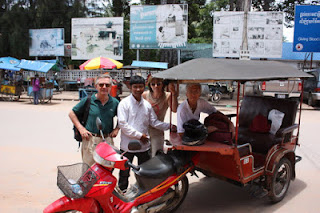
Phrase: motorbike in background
(218, 89)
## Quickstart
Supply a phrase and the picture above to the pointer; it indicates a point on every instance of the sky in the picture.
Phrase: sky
(288, 33)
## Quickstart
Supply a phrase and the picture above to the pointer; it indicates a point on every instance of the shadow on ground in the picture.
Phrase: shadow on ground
(213, 195)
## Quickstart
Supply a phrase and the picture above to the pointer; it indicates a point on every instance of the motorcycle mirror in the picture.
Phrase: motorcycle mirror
(134, 145)
(99, 123)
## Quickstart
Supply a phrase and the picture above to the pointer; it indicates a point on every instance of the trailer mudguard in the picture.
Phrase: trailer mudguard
(276, 156)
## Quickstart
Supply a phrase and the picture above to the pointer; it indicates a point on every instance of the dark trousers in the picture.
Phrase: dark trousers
(124, 174)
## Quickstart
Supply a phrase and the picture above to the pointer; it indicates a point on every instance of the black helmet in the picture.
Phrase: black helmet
(194, 133)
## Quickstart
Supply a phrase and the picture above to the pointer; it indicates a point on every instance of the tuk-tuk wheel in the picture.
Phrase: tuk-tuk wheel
(280, 180)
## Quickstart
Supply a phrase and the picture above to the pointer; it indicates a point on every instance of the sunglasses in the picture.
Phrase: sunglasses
(107, 85)
(158, 84)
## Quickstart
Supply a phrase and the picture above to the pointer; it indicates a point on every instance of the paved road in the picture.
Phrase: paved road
(35, 139)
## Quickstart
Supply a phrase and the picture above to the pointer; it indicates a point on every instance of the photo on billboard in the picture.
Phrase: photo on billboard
(264, 31)
(46, 42)
(95, 37)
(158, 26)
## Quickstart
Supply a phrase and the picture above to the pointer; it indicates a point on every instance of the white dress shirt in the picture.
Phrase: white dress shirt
(184, 112)
(134, 118)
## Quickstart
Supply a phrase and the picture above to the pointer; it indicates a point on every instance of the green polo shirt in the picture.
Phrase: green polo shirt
(105, 113)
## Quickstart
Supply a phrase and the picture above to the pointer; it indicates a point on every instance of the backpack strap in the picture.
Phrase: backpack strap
(85, 113)
(86, 110)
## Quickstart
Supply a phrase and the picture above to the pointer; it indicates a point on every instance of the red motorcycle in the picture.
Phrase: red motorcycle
(161, 183)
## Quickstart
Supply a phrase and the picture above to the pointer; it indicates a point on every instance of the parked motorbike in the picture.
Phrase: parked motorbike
(161, 183)
(214, 93)
(217, 90)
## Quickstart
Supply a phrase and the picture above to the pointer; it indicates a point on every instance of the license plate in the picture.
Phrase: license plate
(281, 96)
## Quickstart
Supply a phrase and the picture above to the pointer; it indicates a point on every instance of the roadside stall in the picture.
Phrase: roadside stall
(46, 90)
(11, 79)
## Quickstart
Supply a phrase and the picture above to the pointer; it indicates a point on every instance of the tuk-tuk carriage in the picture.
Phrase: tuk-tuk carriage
(262, 159)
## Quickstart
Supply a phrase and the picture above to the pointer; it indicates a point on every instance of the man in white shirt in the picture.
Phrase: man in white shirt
(134, 117)
(193, 106)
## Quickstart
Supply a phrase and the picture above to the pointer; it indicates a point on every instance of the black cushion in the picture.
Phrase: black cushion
(159, 166)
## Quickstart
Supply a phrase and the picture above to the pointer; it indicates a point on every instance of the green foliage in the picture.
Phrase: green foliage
(201, 21)
(17, 17)
(287, 6)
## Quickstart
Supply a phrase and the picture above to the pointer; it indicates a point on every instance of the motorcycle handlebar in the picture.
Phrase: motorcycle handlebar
(137, 168)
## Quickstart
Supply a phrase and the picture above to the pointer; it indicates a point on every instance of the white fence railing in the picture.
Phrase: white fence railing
(81, 75)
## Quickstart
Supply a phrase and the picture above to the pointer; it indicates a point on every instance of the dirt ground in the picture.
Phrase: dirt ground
(36, 139)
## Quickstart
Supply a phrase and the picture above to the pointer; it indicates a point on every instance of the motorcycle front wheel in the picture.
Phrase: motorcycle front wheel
(215, 98)
(181, 190)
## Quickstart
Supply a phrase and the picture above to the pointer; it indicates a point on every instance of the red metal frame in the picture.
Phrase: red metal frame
(223, 161)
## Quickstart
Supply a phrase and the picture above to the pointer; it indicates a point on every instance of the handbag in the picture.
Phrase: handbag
(83, 117)
(223, 133)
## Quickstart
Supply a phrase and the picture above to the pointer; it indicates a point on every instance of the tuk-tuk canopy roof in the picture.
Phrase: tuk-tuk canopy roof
(209, 69)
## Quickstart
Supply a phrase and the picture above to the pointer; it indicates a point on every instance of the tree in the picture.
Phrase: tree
(287, 7)
(18, 16)
(202, 24)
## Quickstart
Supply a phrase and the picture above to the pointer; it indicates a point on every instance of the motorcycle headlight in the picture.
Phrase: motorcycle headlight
(98, 159)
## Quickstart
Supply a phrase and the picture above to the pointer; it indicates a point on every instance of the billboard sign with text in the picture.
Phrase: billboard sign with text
(159, 26)
(307, 28)
(264, 32)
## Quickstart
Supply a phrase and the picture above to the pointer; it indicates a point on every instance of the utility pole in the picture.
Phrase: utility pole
(244, 50)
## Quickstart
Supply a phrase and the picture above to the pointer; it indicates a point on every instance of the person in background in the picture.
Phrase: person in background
(102, 105)
(134, 117)
(193, 106)
(36, 89)
(160, 101)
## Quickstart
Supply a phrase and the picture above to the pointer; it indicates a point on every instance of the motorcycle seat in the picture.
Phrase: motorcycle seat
(160, 166)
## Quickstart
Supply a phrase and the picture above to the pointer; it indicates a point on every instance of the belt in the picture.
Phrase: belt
(98, 135)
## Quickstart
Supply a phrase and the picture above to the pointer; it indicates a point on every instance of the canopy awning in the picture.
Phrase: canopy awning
(35, 65)
(208, 69)
(150, 64)
(9, 63)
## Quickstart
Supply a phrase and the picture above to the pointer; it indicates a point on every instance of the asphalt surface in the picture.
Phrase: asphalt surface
(36, 139)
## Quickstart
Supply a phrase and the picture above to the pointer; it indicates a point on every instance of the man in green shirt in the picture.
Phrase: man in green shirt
(102, 105)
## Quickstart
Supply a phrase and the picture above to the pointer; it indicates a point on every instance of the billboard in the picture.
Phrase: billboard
(94, 37)
(307, 28)
(46, 42)
(158, 26)
(264, 34)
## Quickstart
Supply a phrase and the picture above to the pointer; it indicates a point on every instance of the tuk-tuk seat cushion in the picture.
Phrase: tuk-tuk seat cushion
(251, 106)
